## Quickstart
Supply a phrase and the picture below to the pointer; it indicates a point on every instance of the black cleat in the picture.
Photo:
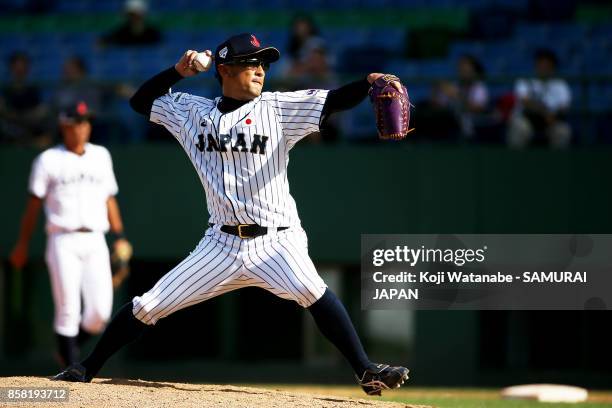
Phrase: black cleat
(74, 373)
(378, 377)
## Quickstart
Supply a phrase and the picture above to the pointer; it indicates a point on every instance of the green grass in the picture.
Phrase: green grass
(491, 403)
(445, 397)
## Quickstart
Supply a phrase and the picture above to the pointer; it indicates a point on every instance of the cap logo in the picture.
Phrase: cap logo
(254, 41)
(223, 52)
(81, 108)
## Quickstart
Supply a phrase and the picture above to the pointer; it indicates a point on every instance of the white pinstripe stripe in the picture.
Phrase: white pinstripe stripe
(298, 277)
(202, 297)
(307, 269)
(281, 272)
(173, 301)
(164, 293)
(192, 296)
(277, 278)
(168, 278)
(279, 265)
(278, 290)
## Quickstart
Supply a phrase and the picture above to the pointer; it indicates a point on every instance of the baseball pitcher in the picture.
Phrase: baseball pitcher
(239, 145)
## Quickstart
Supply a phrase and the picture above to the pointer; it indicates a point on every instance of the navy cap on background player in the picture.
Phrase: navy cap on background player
(75, 113)
(243, 46)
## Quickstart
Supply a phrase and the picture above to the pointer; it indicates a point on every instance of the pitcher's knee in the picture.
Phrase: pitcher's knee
(148, 311)
(309, 295)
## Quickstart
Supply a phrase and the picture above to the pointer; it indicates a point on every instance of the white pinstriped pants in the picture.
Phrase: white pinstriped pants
(277, 262)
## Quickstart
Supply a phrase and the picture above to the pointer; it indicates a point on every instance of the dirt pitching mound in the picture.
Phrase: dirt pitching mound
(111, 393)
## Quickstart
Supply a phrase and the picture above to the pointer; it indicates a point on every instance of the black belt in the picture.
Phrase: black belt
(83, 229)
(247, 230)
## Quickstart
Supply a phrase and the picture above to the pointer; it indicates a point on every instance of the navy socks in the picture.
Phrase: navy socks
(83, 337)
(68, 349)
(335, 324)
(328, 312)
(123, 329)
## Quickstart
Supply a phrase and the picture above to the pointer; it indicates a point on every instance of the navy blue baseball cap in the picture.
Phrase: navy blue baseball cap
(75, 113)
(244, 46)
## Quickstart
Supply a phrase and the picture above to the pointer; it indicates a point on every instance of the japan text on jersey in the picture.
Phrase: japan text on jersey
(241, 156)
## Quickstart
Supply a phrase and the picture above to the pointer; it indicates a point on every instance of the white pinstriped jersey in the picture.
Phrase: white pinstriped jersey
(241, 156)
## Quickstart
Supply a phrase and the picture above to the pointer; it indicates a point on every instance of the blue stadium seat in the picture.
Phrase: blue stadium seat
(113, 64)
(172, 6)
(341, 38)
(74, 6)
(517, 5)
(602, 128)
(532, 32)
(436, 68)
(418, 92)
(475, 48)
(600, 97)
(402, 68)
(570, 33)
(496, 90)
(358, 123)
(350, 60)
(522, 67)
(391, 38)
(495, 66)
(11, 42)
(596, 63)
(579, 94)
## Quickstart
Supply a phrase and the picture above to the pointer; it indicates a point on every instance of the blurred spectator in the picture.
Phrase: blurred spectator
(542, 104)
(135, 30)
(435, 118)
(470, 97)
(22, 113)
(303, 30)
(76, 86)
(103, 100)
(314, 71)
(310, 67)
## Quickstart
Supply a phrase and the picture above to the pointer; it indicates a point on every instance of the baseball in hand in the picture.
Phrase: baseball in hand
(202, 61)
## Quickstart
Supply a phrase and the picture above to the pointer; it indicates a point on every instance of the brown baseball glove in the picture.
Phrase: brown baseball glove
(120, 261)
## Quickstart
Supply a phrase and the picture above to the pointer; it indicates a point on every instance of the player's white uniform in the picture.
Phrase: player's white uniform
(241, 158)
(75, 190)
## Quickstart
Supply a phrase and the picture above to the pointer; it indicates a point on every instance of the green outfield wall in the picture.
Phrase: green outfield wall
(344, 191)
(341, 191)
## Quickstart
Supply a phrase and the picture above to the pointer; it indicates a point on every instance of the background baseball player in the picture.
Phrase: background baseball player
(239, 145)
(76, 184)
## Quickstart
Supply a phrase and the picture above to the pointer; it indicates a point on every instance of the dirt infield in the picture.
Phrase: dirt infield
(138, 393)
